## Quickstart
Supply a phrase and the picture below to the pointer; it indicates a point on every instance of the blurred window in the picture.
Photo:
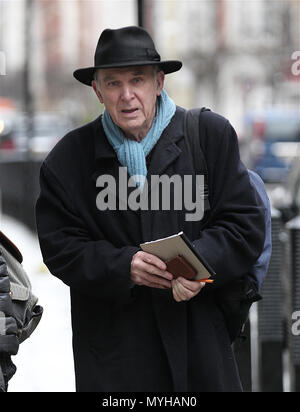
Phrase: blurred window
(273, 12)
(249, 19)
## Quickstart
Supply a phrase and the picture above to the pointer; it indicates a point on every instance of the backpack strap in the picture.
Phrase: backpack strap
(11, 247)
(192, 124)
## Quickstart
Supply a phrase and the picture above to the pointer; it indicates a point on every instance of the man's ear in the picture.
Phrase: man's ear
(160, 79)
(96, 90)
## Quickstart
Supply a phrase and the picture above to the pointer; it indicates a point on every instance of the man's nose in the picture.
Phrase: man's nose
(127, 92)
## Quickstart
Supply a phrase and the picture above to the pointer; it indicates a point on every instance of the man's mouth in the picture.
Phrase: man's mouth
(129, 110)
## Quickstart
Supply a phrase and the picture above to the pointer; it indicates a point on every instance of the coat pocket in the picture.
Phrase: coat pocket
(235, 305)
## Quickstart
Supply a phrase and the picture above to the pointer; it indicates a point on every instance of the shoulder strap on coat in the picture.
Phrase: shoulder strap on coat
(192, 125)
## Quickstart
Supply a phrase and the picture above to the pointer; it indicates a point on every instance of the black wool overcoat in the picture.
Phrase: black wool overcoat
(135, 338)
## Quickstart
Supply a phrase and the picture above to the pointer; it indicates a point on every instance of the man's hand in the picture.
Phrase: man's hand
(184, 289)
(149, 270)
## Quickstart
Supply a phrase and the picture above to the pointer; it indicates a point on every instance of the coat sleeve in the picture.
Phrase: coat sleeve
(94, 267)
(233, 236)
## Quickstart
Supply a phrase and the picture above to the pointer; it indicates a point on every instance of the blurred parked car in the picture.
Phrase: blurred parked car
(286, 197)
(273, 141)
(7, 143)
(32, 138)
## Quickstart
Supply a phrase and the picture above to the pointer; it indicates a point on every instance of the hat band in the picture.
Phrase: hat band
(126, 55)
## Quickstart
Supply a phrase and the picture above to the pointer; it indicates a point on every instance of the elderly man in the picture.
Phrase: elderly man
(135, 327)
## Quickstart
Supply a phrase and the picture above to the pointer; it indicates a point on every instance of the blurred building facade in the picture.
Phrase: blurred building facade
(63, 35)
(236, 54)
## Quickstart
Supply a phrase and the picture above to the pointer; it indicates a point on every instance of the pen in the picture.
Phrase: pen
(205, 280)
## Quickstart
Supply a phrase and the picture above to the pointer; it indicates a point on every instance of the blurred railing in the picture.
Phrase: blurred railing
(271, 315)
(19, 186)
(293, 299)
(269, 360)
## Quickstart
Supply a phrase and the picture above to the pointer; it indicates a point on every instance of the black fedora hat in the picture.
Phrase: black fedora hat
(124, 47)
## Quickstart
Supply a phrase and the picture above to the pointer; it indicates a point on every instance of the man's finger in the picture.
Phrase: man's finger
(183, 293)
(154, 260)
(192, 285)
(147, 279)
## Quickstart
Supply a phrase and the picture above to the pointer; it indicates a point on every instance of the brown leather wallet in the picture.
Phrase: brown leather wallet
(179, 266)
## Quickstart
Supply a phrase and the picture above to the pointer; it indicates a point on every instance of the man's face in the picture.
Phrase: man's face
(129, 95)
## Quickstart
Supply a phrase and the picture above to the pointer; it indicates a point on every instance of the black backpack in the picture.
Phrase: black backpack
(235, 299)
(20, 311)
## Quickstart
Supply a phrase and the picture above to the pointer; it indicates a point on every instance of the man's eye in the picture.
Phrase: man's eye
(137, 80)
(112, 84)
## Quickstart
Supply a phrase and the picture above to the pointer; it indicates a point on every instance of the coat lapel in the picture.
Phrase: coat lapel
(166, 152)
(106, 162)
(163, 155)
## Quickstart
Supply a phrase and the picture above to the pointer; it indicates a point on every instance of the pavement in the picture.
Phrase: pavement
(44, 361)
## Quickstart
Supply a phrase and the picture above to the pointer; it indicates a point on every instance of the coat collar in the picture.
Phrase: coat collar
(166, 150)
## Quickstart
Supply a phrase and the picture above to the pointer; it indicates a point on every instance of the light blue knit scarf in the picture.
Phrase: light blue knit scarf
(132, 154)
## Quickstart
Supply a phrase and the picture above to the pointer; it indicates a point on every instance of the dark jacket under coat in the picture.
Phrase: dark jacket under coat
(135, 338)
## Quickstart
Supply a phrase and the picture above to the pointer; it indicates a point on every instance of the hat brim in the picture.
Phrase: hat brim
(86, 75)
